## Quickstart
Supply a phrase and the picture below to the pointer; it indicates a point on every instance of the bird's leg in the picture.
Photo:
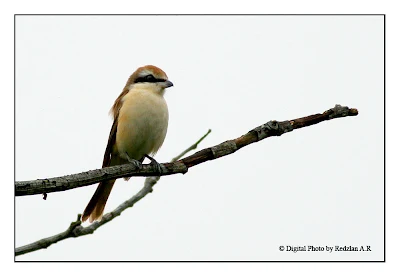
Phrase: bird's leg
(154, 164)
(136, 163)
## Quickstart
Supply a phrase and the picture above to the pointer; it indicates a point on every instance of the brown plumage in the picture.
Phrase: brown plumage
(140, 124)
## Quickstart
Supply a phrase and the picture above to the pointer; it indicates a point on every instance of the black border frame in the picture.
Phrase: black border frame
(260, 14)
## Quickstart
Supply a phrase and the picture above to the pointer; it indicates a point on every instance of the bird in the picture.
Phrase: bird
(140, 115)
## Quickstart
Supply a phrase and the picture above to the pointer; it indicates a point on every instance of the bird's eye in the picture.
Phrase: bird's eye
(147, 79)
(150, 78)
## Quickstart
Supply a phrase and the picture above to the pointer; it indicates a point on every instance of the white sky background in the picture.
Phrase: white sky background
(321, 185)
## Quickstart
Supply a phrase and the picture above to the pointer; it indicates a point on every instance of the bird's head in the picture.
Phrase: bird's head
(149, 77)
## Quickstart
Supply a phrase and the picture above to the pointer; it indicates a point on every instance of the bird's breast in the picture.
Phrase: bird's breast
(142, 124)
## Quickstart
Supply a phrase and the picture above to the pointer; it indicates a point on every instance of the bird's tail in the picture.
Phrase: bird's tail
(95, 207)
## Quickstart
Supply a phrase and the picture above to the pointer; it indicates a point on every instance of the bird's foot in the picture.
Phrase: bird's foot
(154, 164)
(136, 163)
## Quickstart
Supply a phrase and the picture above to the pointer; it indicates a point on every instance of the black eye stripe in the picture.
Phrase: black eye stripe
(148, 79)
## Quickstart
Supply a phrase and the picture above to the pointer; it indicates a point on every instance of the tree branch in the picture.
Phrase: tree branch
(271, 128)
(76, 230)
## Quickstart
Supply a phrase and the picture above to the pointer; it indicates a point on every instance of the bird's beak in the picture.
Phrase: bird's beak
(167, 84)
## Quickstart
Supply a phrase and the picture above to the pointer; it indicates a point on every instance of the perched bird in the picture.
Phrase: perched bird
(140, 124)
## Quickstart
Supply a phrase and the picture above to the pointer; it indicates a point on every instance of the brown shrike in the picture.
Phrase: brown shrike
(140, 124)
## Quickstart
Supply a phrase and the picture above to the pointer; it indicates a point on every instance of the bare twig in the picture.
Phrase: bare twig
(271, 128)
(194, 146)
(46, 242)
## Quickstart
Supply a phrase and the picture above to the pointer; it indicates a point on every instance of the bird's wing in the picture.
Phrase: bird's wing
(110, 144)
(113, 132)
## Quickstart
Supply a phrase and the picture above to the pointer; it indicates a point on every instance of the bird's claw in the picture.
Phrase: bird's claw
(156, 165)
(136, 163)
